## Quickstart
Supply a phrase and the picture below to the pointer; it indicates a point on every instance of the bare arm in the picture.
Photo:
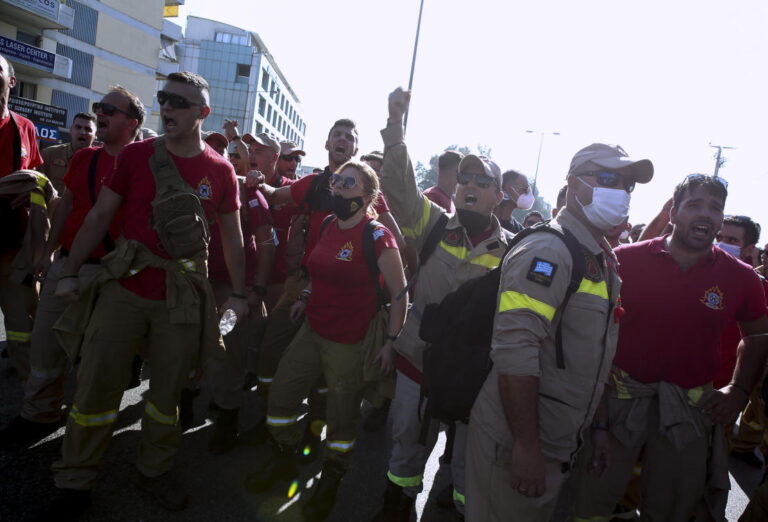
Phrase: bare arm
(234, 256)
(391, 268)
(657, 225)
(63, 208)
(265, 254)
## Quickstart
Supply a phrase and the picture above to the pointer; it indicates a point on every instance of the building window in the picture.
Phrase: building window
(274, 119)
(259, 128)
(264, 80)
(269, 112)
(243, 72)
(262, 105)
(29, 39)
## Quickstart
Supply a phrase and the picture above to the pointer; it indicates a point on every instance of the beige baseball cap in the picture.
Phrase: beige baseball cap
(611, 157)
(263, 139)
(290, 147)
(481, 164)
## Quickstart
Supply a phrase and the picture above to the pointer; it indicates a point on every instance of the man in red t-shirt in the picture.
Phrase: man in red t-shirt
(447, 170)
(18, 150)
(146, 297)
(119, 116)
(679, 293)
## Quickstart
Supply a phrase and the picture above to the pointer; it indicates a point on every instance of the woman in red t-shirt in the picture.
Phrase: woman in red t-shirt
(340, 304)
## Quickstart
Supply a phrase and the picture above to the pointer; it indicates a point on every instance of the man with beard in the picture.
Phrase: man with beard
(119, 116)
(56, 158)
(680, 293)
(472, 242)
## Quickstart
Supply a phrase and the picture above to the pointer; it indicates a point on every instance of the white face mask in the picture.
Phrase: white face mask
(524, 201)
(734, 250)
(609, 206)
(624, 235)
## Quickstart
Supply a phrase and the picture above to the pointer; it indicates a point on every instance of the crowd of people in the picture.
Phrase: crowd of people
(613, 356)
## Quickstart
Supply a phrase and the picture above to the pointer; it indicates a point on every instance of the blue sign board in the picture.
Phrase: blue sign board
(47, 133)
(28, 54)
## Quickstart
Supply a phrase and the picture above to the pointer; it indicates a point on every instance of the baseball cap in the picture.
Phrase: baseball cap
(216, 137)
(290, 147)
(263, 139)
(611, 157)
(471, 161)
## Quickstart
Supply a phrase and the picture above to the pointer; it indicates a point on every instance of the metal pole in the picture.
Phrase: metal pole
(538, 159)
(717, 160)
(413, 61)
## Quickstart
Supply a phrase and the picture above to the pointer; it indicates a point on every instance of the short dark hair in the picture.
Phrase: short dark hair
(84, 116)
(449, 159)
(561, 194)
(509, 176)
(750, 228)
(190, 78)
(713, 185)
(135, 107)
(372, 156)
(534, 213)
(343, 122)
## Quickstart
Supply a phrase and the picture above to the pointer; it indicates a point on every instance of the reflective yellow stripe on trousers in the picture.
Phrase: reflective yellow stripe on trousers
(342, 446)
(281, 421)
(94, 419)
(20, 337)
(405, 482)
(153, 412)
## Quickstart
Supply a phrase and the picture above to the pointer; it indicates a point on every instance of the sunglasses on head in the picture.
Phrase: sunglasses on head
(291, 158)
(611, 180)
(107, 109)
(702, 177)
(481, 180)
(346, 182)
(176, 100)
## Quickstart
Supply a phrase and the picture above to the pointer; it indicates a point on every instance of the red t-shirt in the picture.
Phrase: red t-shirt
(257, 215)
(316, 217)
(381, 204)
(208, 173)
(77, 182)
(30, 155)
(439, 197)
(281, 221)
(729, 345)
(674, 320)
(343, 299)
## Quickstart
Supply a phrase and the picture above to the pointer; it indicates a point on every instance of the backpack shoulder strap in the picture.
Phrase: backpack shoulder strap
(16, 143)
(369, 252)
(326, 222)
(167, 176)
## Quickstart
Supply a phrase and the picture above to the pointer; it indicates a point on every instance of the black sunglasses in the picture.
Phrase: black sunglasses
(234, 155)
(290, 158)
(611, 179)
(107, 109)
(481, 180)
(176, 100)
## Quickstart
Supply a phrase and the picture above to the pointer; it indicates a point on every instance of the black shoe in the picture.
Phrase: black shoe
(65, 505)
(187, 408)
(224, 432)
(324, 497)
(168, 493)
(23, 431)
(136, 365)
(311, 444)
(377, 418)
(255, 436)
(281, 466)
(397, 505)
(749, 458)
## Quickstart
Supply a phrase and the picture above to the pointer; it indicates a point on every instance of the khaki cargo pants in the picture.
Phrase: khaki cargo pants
(44, 391)
(121, 323)
(18, 304)
(306, 359)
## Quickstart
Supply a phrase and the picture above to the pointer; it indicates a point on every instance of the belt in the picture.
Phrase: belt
(88, 261)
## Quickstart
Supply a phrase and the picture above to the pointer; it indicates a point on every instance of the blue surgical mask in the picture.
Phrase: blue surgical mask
(734, 250)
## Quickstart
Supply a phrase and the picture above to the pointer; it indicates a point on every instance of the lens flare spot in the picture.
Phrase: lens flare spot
(294, 487)
(307, 450)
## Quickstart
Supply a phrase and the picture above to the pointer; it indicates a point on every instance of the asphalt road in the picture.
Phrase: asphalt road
(215, 482)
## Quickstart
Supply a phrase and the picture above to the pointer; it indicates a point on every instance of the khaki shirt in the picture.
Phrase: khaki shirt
(534, 280)
(454, 260)
(55, 164)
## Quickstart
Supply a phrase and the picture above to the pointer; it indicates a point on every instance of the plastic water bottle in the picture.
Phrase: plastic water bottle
(228, 321)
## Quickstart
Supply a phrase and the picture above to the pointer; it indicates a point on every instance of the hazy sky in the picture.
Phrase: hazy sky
(662, 79)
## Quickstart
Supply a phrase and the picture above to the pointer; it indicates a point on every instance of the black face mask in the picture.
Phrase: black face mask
(345, 208)
(474, 222)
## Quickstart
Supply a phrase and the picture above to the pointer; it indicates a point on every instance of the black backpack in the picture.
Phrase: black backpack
(459, 330)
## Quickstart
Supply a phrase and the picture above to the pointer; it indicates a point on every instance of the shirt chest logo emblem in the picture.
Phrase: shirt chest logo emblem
(23, 151)
(204, 189)
(345, 254)
(713, 298)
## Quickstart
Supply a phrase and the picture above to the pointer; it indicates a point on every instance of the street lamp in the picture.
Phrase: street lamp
(538, 158)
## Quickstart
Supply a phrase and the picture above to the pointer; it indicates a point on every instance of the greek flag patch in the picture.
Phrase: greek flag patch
(541, 271)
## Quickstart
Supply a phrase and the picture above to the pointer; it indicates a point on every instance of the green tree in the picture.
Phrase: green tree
(426, 175)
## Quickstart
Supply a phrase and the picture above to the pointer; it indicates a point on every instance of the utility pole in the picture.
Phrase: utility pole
(538, 158)
(719, 159)
(413, 62)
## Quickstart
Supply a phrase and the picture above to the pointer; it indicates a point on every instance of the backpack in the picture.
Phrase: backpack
(460, 328)
(178, 216)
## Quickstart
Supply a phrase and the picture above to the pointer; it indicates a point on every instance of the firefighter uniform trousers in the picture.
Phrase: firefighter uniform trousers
(489, 497)
(228, 374)
(279, 333)
(307, 358)
(44, 391)
(121, 323)
(18, 304)
(409, 456)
